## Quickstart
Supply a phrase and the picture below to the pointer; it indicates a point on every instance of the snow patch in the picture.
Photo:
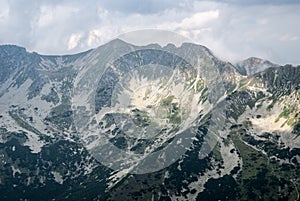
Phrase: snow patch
(33, 142)
(57, 177)
(15, 170)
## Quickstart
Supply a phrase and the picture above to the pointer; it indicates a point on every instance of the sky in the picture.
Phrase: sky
(233, 29)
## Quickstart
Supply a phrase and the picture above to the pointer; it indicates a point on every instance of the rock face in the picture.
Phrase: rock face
(125, 122)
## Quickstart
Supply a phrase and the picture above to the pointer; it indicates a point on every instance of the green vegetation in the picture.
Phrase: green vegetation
(259, 95)
(243, 81)
(204, 95)
(291, 122)
(174, 119)
(287, 114)
(220, 188)
(167, 101)
(216, 152)
(262, 176)
(173, 111)
(173, 114)
(199, 85)
(140, 118)
(232, 86)
(35, 172)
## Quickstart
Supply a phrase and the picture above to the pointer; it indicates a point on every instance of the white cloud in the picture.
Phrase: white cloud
(100, 35)
(198, 19)
(74, 40)
(194, 21)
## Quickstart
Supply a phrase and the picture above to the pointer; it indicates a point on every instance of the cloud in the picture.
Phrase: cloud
(198, 19)
(232, 29)
(74, 40)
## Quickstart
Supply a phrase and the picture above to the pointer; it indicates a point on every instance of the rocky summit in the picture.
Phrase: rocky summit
(126, 122)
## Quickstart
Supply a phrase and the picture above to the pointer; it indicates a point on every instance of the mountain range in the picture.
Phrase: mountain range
(126, 122)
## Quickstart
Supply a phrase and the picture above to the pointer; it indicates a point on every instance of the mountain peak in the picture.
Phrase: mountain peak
(196, 50)
(195, 46)
(117, 41)
(253, 65)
